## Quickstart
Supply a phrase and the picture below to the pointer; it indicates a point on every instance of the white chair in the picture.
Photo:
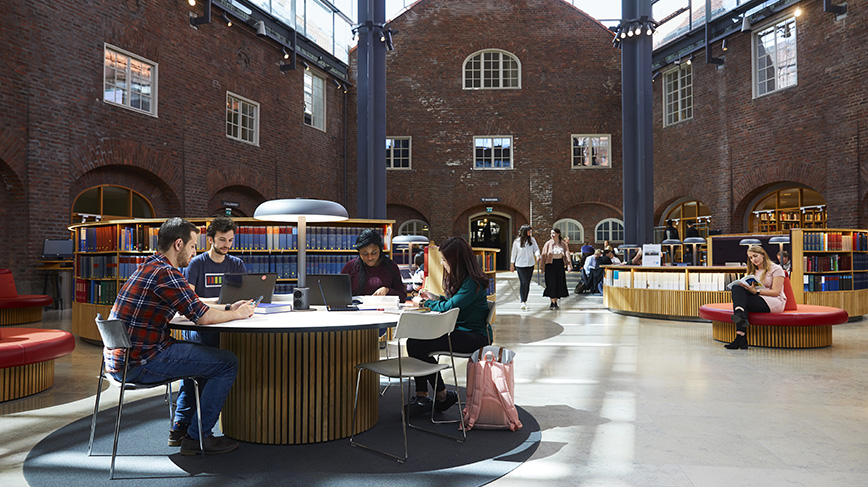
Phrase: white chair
(465, 355)
(114, 336)
(422, 326)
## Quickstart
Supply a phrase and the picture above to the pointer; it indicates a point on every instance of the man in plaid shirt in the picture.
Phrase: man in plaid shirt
(146, 304)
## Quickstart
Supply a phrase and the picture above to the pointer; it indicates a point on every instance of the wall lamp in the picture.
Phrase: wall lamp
(305, 65)
(285, 54)
(205, 18)
(260, 29)
(385, 33)
(835, 9)
(226, 19)
(337, 83)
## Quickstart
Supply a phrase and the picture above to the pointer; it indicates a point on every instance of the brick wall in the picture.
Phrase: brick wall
(58, 137)
(570, 84)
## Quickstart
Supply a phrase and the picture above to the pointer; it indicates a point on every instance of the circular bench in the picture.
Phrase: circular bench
(807, 326)
(27, 359)
(16, 309)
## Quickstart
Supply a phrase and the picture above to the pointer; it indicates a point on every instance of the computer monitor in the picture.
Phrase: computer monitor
(236, 287)
(57, 249)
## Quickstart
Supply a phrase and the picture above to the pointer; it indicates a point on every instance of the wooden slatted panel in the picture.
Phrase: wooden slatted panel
(25, 380)
(663, 302)
(777, 336)
(299, 387)
(83, 315)
(855, 303)
(19, 316)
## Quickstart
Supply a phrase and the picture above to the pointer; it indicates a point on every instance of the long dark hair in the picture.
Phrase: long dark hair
(366, 238)
(524, 238)
(462, 264)
(558, 231)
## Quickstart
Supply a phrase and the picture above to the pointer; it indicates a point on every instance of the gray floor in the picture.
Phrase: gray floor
(621, 401)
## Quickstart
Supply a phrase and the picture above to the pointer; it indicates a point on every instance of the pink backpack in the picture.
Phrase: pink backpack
(491, 390)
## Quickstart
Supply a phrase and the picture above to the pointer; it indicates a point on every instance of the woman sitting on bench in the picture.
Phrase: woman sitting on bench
(765, 296)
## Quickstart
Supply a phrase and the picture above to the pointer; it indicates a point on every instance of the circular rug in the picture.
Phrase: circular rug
(61, 458)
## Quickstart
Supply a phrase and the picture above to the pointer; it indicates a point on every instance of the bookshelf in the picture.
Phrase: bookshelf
(666, 292)
(107, 253)
(830, 268)
(487, 257)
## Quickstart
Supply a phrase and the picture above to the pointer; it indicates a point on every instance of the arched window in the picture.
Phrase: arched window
(693, 211)
(789, 208)
(109, 202)
(571, 229)
(610, 229)
(413, 227)
(492, 69)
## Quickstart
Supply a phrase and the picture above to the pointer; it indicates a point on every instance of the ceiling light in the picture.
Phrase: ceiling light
(798, 11)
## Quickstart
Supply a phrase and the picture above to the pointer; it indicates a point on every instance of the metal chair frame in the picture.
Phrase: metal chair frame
(424, 326)
(114, 336)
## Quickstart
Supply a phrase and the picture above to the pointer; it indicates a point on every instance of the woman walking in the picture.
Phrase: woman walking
(525, 253)
(556, 258)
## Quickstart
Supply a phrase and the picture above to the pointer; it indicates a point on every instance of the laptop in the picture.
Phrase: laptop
(247, 286)
(334, 289)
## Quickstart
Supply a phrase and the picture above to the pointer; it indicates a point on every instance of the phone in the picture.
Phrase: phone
(257, 301)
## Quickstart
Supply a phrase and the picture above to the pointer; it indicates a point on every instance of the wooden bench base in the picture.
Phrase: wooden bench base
(19, 316)
(25, 380)
(776, 336)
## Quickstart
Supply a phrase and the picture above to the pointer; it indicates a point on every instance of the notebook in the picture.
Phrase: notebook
(335, 291)
(247, 286)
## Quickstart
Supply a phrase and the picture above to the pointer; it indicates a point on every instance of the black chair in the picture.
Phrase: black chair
(114, 336)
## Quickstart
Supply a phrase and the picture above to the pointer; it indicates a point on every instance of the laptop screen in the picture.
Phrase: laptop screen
(336, 287)
(247, 286)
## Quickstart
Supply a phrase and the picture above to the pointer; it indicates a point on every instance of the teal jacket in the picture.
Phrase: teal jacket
(470, 299)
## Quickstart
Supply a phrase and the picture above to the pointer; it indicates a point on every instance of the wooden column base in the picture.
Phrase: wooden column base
(19, 316)
(295, 388)
(776, 336)
(25, 380)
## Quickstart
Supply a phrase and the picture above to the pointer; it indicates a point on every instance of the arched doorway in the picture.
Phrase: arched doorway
(492, 230)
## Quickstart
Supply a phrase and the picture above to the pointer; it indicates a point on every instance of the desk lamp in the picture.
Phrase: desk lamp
(671, 243)
(410, 241)
(781, 240)
(627, 250)
(301, 210)
(694, 241)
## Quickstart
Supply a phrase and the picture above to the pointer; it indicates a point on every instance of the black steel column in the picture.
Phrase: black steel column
(636, 122)
(371, 116)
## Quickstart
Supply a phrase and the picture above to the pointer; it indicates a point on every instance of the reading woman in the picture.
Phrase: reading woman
(373, 272)
(765, 296)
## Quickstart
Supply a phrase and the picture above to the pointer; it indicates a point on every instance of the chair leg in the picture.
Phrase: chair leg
(169, 402)
(95, 411)
(403, 423)
(118, 422)
(199, 416)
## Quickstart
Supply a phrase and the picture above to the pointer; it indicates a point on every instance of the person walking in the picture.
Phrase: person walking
(556, 258)
(525, 253)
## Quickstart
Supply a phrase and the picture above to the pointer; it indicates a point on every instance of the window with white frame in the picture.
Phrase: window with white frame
(571, 229)
(610, 229)
(129, 80)
(492, 69)
(242, 119)
(414, 227)
(775, 57)
(591, 151)
(678, 94)
(314, 100)
(492, 152)
(398, 153)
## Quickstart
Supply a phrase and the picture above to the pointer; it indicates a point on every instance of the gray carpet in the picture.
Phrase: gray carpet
(61, 458)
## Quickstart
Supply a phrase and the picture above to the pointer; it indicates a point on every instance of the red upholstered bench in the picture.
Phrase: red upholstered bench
(15, 308)
(798, 326)
(27, 359)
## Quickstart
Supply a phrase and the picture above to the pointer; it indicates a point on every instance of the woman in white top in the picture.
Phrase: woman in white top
(556, 256)
(525, 253)
(765, 296)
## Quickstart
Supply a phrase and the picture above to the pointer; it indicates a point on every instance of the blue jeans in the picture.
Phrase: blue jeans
(192, 360)
(185, 406)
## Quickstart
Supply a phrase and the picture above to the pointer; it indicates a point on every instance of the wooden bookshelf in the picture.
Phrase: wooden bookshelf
(434, 271)
(107, 253)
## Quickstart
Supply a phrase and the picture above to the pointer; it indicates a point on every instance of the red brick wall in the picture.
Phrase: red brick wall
(737, 148)
(58, 137)
(570, 85)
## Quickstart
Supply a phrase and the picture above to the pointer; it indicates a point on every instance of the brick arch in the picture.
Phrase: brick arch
(403, 213)
(12, 153)
(459, 224)
(667, 205)
(233, 176)
(247, 198)
(402, 200)
(796, 173)
(162, 197)
(745, 205)
(166, 166)
(16, 220)
(590, 194)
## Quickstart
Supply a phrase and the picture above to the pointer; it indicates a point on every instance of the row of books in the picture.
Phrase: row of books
(492, 287)
(95, 292)
(836, 282)
(831, 241)
(696, 281)
(98, 266)
(143, 238)
(828, 263)
(486, 261)
(286, 266)
(97, 239)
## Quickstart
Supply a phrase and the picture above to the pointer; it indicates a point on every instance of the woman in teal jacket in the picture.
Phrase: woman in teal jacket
(466, 288)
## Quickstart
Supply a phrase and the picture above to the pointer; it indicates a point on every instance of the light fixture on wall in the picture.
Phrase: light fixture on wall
(797, 12)
(745, 24)
(723, 45)
(285, 53)
(205, 18)
(305, 65)
(301, 210)
(690, 60)
(260, 29)
(226, 19)
(192, 3)
(337, 83)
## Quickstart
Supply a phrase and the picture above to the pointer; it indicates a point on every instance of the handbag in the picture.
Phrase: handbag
(491, 390)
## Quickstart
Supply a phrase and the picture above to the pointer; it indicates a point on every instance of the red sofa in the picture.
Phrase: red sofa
(15, 308)
(27, 359)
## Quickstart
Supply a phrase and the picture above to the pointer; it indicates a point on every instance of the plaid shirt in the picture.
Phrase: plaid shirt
(146, 304)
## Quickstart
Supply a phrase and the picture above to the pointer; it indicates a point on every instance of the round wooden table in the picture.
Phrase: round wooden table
(296, 381)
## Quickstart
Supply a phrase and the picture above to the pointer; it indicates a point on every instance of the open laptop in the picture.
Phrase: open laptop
(247, 286)
(333, 291)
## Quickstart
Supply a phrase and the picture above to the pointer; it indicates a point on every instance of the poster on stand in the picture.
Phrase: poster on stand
(651, 255)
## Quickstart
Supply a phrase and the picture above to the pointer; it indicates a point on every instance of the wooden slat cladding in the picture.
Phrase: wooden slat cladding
(777, 336)
(25, 380)
(662, 302)
(295, 388)
(19, 316)
(854, 302)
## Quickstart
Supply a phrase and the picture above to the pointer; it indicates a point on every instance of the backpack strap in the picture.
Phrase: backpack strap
(498, 377)
(474, 406)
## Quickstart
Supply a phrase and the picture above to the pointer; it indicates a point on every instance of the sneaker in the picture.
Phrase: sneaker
(214, 445)
(177, 434)
(523, 306)
(451, 399)
(420, 405)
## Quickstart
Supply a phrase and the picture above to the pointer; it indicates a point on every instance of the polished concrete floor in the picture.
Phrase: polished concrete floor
(621, 401)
